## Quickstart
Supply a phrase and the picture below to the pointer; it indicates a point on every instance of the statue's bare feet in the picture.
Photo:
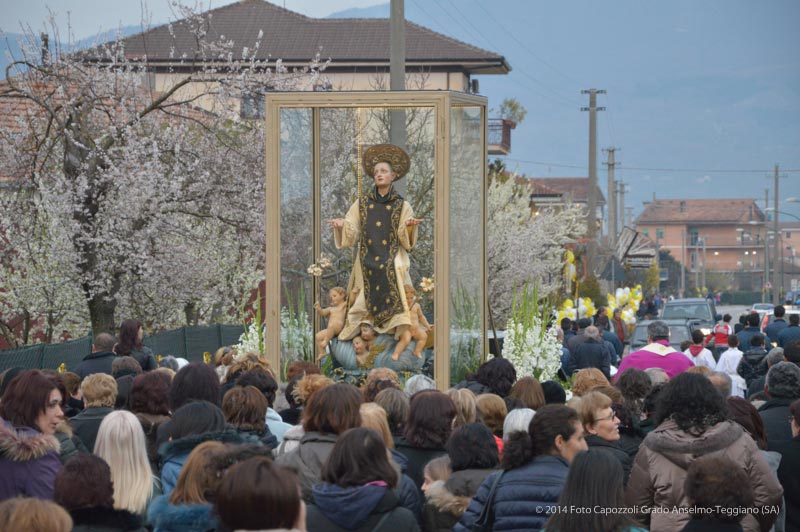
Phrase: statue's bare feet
(418, 354)
(396, 356)
(320, 356)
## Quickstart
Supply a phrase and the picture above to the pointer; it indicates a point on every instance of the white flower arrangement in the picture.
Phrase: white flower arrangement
(250, 341)
(324, 263)
(529, 345)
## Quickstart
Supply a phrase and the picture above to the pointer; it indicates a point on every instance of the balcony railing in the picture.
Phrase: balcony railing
(500, 136)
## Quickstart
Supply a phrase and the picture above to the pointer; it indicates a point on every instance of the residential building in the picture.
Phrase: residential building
(356, 51)
(723, 235)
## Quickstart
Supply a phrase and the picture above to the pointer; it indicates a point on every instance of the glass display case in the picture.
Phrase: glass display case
(315, 143)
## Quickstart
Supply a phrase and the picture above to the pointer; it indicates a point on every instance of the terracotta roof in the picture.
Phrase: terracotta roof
(680, 211)
(574, 188)
(295, 38)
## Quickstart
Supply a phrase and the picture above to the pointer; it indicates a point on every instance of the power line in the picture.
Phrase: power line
(557, 98)
(622, 166)
(531, 52)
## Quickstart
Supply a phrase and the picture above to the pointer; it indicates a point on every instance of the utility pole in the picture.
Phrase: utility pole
(683, 262)
(397, 75)
(612, 197)
(621, 201)
(591, 217)
(629, 210)
(776, 289)
(765, 295)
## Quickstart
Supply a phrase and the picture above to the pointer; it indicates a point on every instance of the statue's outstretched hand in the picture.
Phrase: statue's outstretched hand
(413, 221)
(336, 223)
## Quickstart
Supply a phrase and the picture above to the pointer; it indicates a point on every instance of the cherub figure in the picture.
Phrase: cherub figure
(418, 330)
(335, 314)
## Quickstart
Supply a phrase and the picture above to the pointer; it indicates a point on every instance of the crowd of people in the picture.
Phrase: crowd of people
(126, 444)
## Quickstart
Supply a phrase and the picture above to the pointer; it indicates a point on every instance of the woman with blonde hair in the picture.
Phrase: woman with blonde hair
(33, 515)
(189, 507)
(374, 417)
(121, 443)
(466, 406)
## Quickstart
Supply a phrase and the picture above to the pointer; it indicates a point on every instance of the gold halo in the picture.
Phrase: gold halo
(386, 153)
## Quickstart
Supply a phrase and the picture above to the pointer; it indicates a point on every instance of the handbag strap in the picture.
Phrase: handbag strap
(486, 515)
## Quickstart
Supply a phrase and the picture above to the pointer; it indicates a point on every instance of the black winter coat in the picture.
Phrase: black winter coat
(598, 444)
(86, 424)
(105, 520)
(417, 458)
(775, 415)
(591, 354)
(95, 363)
(387, 516)
(753, 364)
(789, 479)
(523, 498)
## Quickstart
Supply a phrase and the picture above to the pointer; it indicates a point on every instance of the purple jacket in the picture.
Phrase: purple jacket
(656, 355)
(28, 462)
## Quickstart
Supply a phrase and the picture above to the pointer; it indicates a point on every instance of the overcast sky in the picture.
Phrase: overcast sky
(90, 17)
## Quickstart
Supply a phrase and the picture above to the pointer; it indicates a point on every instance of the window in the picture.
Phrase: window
(646, 231)
(683, 206)
(659, 233)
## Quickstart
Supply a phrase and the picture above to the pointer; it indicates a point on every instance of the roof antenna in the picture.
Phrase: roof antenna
(45, 47)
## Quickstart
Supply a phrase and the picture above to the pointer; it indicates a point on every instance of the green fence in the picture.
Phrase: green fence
(186, 342)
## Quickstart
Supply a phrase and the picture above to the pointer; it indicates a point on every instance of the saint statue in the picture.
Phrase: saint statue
(382, 225)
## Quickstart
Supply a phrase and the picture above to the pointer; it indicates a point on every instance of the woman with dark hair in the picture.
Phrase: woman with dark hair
(535, 466)
(396, 404)
(130, 344)
(601, 426)
(357, 492)
(83, 487)
(634, 384)
(714, 486)
(648, 421)
(693, 421)
(149, 401)
(192, 424)
(245, 408)
(472, 456)
(329, 412)
(430, 422)
(528, 391)
(594, 481)
(495, 376)
(29, 451)
(630, 435)
(374, 387)
(194, 382)
(257, 495)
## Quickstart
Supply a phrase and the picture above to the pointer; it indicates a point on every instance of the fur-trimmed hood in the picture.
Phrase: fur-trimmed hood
(21, 444)
(108, 518)
(180, 517)
(439, 496)
(185, 445)
(453, 496)
(681, 448)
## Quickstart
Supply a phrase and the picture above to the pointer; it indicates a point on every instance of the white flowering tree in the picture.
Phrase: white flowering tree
(129, 202)
(522, 247)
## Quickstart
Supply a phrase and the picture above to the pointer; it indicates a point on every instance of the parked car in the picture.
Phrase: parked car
(679, 331)
(700, 312)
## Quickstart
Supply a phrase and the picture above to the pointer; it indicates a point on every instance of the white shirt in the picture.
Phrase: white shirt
(705, 358)
(728, 363)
